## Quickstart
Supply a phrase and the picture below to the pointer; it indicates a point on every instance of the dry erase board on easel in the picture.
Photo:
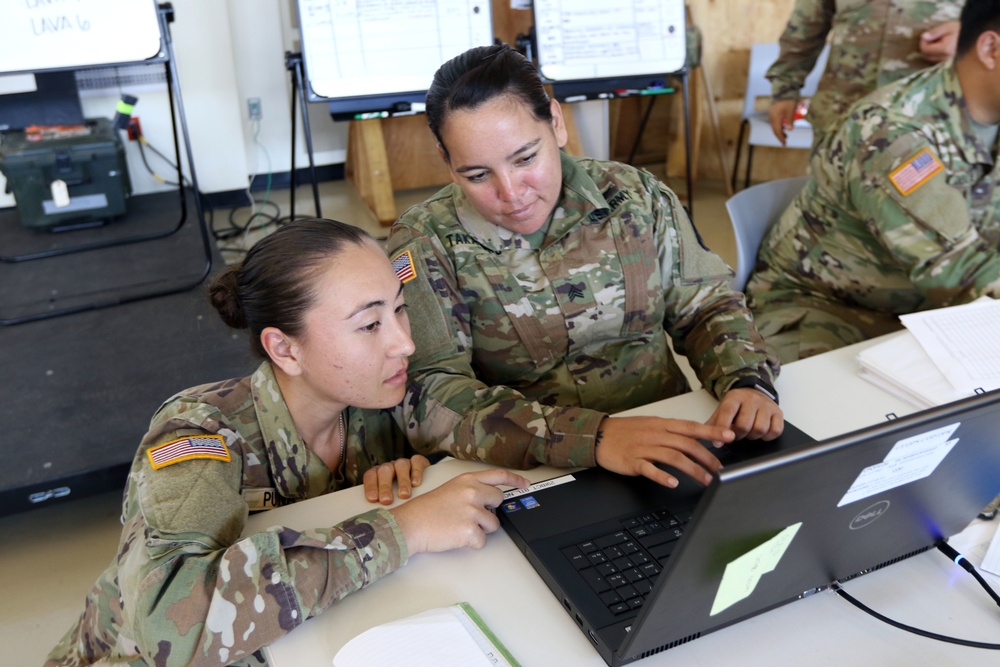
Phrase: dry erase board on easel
(356, 49)
(38, 35)
(596, 39)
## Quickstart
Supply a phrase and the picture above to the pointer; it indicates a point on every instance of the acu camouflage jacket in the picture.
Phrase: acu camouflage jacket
(185, 588)
(902, 211)
(872, 43)
(525, 343)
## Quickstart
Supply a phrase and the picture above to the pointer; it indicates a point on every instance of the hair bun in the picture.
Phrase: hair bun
(224, 295)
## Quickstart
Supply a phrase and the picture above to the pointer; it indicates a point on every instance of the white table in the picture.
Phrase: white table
(824, 397)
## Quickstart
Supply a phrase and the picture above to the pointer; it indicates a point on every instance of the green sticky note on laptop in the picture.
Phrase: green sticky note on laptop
(741, 575)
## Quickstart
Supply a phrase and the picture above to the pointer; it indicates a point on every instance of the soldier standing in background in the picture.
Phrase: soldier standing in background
(901, 212)
(541, 289)
(872, 43)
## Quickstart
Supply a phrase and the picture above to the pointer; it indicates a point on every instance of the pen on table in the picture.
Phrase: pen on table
(626, 91)
(656, 91)
(576, 98)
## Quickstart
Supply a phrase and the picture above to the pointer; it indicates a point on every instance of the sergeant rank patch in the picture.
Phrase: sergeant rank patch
(915, 172)
(402, 264)
(185, 449)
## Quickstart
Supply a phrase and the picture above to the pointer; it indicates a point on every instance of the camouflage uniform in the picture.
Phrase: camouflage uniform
(852, 251)
(872, 42)
(184, 588)
(525, 343)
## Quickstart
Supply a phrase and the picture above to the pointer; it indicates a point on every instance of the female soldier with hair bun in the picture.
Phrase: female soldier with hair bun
(326, 314)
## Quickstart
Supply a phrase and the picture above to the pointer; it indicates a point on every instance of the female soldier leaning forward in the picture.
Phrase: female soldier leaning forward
(326, 314)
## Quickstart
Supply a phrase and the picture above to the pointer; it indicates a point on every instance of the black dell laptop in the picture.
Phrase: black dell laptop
(642, 568)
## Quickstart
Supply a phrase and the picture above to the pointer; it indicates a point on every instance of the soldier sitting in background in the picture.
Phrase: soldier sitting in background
(901, 212)
(540, 287)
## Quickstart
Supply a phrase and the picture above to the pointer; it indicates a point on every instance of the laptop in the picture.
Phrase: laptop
(642, 568)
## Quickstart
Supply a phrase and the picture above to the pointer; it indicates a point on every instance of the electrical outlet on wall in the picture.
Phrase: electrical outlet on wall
(253, 108)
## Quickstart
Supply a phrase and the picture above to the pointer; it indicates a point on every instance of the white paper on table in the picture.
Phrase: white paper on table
(962, 341)
(991, 561)
(443, 636)
(901, 366)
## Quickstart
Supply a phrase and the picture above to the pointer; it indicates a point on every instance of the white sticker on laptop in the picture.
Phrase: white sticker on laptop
(909, 459)
(741, 576)
(538, 486)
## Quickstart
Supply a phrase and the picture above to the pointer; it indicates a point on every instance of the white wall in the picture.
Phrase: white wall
(203, 47)
(263, 30)
(226, 52)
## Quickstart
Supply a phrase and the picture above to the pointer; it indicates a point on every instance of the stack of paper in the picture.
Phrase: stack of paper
(945, 354)
(991, 562)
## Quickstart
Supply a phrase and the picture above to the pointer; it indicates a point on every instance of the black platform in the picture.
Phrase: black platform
(78, 390)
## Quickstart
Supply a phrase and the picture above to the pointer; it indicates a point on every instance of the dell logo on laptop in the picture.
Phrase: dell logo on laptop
(869, 514)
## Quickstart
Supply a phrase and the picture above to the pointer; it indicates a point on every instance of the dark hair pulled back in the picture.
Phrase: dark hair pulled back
(479, 75)
(274, 284)
(977, 17)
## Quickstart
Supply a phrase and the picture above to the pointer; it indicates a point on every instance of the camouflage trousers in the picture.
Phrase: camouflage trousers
(802, 327)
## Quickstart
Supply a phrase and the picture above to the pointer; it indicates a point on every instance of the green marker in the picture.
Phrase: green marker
(656, 91)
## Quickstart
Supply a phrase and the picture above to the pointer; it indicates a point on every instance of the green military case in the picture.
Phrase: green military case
(92, 166)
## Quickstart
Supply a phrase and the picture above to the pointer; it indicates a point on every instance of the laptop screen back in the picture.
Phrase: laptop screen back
(777, 529)
(772, 529)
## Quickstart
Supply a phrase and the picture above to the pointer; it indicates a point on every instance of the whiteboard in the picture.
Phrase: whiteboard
(355, 48)
(597, 39)
(66, 34)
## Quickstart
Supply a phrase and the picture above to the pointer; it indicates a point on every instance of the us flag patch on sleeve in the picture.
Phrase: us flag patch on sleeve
(402, 264)
(187, 448)
(915, 172)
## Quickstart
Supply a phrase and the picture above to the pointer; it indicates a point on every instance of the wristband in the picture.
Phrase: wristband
(758, 384)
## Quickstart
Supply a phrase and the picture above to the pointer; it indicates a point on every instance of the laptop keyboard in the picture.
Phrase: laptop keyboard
(622, 566)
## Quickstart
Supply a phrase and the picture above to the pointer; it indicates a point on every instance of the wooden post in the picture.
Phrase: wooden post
(367, 167)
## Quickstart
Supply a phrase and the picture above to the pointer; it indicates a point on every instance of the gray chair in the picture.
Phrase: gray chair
(752, 211)
(755, 126)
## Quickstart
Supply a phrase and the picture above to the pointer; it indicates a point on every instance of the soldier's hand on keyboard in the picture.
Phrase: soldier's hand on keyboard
(750, 414)
(635, 445)
(457, 513)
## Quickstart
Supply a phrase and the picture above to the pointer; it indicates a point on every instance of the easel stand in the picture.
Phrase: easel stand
(372, 145)
(367, 165)
(293, 63)
(365, 143)
(688, 171)
(614, 119)
(165, 16)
